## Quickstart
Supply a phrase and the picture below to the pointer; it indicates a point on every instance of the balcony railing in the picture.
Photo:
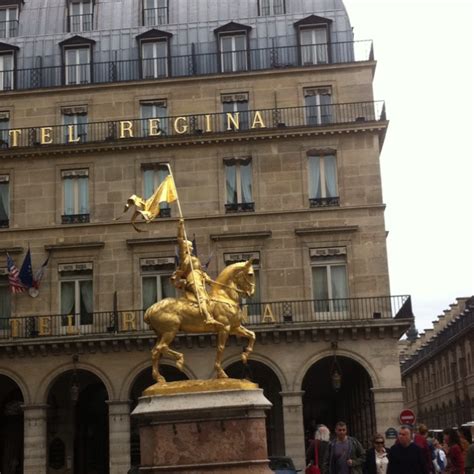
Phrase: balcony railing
(324, 201)
(9, 29)
(261, 59)
(165, 128)
(259, 315)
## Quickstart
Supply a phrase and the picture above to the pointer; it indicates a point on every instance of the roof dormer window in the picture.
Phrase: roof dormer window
(155, 12)
(233, 46)
(77, 60)
(154, 54)
(80, 15)
(271, 7)
(8, 21)
(314, 40)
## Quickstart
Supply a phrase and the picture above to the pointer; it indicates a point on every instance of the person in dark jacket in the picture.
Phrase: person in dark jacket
(405, 457)
(320, 445)
(376, 458)
(345, 453)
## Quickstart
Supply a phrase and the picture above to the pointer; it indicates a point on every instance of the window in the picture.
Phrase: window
(237, 105)
(322, 174)
(271, 7)
(80, 15)
(155, 59)
(318, 106)
(329, 279)
(314, 45)
(4, 201)
(153, 176)
(76, 196)
(155, 12)
(75, 124)
(76, 294)
(5, 300)
(6, 71)
(156, 283)
(253, 304)
(233, 49)
(4, 128)
(238, 179)
(8, 22)
(77, 65)
(154, 109)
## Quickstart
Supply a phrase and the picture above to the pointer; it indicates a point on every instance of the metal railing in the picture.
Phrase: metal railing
(260, 59)
(259, 315)
(191, 125)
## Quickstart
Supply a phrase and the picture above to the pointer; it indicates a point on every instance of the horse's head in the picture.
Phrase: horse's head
(245, 279)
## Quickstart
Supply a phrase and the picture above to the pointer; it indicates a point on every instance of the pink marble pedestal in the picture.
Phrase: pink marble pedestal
(204, 432)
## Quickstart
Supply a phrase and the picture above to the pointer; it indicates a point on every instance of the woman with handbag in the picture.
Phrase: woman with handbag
(317, 450)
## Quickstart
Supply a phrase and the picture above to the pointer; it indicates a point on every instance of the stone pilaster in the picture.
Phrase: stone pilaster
(35, 441)
(119, 436)
(293, 427)
(388, 403)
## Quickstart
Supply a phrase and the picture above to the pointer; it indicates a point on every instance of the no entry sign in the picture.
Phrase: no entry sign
(407, 417)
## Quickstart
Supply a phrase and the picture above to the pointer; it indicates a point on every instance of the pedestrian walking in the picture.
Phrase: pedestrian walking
(467, 448)
(452, 448)
(317, 450)
(439, 460)
(345, 453)
(376, 459)
(421, 440)
(405, 457)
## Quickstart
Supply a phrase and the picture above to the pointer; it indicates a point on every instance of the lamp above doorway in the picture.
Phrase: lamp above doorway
(335, 371)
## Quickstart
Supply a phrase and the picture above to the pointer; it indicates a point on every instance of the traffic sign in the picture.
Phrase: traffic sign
(407, 417)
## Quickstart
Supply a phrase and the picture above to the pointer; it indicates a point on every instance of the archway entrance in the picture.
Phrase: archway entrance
(78, 434)
(353, 402)
(11, 427)
(143, 381)
(267, 380)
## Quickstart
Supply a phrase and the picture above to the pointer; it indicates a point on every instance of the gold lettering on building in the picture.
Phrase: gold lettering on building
(258, 120)
(14, 134)
(126, 126)
(234, 119)
(129, 322)
(177, 125)
(208, 123)
(268, 315)
(71, 138)
(15, 327)
(44, 326)
(70, 329)
(154, 127)
(45, 135)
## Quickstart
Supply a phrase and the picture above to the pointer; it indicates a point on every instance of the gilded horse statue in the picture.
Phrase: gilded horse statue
(171, 315)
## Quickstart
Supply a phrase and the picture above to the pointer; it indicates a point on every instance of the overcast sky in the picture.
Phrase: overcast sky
(424, 52)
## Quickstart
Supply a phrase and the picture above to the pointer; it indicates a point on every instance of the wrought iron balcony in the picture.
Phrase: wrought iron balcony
(194, 64)
(259, 316)
(166, 128)
(240, 207)
(324, 202)
(75, 218)
(9, 29)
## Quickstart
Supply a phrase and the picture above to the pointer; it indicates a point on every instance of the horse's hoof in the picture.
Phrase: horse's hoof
(245, 357)
(222, 375)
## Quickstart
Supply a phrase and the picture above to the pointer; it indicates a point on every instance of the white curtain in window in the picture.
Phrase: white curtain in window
(246, 182)
(314, 177)
(68, 196)
(87, 297)
(338, 281)
(83, 184)
(149, 295)
(4, 201)
(67, 297)
(231, 185)
(330, 171)
(5, 304)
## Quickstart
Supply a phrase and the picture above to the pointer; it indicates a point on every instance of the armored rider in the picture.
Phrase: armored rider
(191, 278)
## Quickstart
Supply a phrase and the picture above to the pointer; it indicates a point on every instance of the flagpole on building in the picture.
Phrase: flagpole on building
(180, 213)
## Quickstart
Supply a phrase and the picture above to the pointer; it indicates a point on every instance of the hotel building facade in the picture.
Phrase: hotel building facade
(264, 110)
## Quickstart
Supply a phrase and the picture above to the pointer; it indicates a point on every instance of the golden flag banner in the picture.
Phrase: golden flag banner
(150, 209)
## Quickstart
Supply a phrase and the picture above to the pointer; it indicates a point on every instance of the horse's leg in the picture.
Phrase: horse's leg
(222, 336)
(250, 335)
(162, 347)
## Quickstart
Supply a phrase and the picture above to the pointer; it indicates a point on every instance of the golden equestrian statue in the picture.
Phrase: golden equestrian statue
(199, 310)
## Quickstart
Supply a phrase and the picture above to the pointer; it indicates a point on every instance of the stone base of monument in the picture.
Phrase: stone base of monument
(203, 426)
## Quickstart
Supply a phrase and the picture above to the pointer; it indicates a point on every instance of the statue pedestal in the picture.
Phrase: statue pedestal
(203, 426)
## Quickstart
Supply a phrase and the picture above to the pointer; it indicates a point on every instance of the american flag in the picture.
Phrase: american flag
(13, 277)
